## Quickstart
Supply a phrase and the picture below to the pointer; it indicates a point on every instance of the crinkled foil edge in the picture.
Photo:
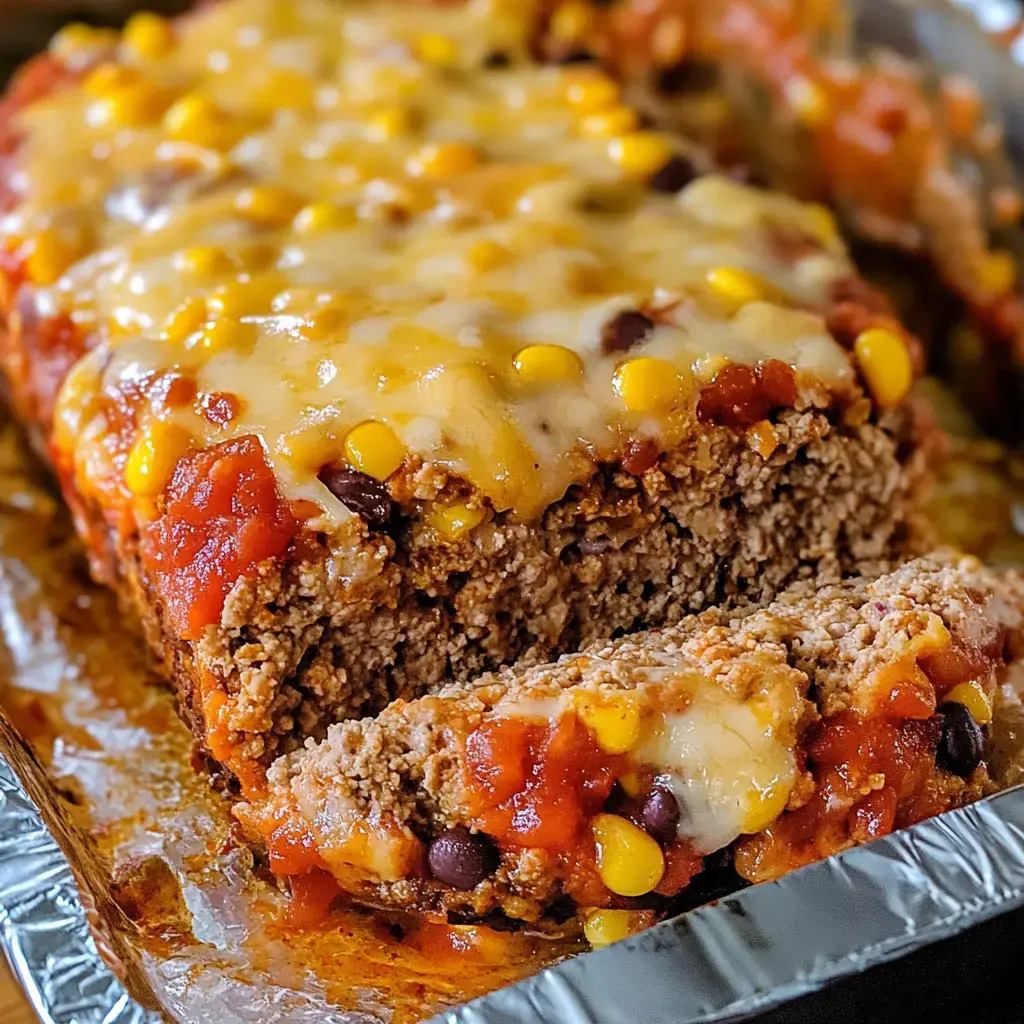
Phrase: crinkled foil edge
(44, 931)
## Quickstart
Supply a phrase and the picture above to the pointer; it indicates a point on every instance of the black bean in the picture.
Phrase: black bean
(462, 859)
(577, 56)
(677, 173)
(625, 330)
(962, 742)
(359, 493)
(497, 59)
(661, 814)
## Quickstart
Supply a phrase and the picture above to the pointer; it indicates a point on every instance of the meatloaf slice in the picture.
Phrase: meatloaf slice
(606, 780)
(404, 359)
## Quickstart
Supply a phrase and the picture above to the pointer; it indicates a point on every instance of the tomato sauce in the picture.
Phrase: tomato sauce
(538, 784)
(223, 516)
(741, 395)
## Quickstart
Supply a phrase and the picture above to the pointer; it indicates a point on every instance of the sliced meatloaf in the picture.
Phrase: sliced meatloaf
(373, 355)
(607, 780)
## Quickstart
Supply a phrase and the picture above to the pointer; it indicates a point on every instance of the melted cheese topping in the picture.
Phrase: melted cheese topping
(335, 213)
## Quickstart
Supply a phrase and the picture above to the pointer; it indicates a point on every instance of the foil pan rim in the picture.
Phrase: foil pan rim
(44, 930)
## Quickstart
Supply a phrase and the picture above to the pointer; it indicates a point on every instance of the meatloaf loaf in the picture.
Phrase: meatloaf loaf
(606, 780)
(373, 355)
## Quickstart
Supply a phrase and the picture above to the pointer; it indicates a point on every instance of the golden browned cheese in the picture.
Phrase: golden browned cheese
(378, 231)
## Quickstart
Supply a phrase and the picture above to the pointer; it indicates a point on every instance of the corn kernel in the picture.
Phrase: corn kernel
(197, 120)
(269, 205)
(283, 89)
(590, 90)
(486, 255)
(640, 154)
(736, 287)
(320, 217)
(764, 806)
(107, 78)
(973, 697)
(373, 449)
(131, 105)
(437, 49)
(571, 21)
(148, 36)
(885, 365)
(153, 457)
(77, 37)
(455, 521)
(389, 123)
(603, 927)
(226, 335)
(185, 321)
(327, 323)
(998, 272)
(49, 256)
(647, 384)
(762, 438)
(615, 723)
(441, 160)
(606, 124)
(822, 221)
(548, 364)
(807, 100)
(629, 861)
(203, 261)
(630, 782)
(237, 299)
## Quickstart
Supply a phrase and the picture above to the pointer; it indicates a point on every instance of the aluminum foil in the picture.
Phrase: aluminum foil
(43, 927)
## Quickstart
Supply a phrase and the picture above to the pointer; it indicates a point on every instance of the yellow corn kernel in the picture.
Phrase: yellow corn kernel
(437, 49)
(885, 365)
(107, 78)
(603, 927)
(606, 124)
(77, 37)
(629, 861)
(486, 255)
(327, 323)
(548, 364)
(973, 697)
(139, 103)
(764, 806)
(822, 221)
(647, 384)
(762, 438)
(389, 123)
(203, 261)
(148, 36)
(441, 160)
(571, 21)
(590, 90)
(269, 205)
(615, 722)
(807, 100)
(238, 299)
(185, 321)
(736, 287)
(373, 449)
(321, 217)
(48, 257)
(226, 335)
(998, 272)
(283, 89)
(455, 521)
(198, 120)
(640, 154)
(153, 457)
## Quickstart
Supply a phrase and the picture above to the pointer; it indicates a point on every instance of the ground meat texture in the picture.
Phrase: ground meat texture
(876, 755)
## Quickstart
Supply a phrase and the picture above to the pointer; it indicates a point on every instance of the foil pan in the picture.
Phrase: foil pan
(744, 955)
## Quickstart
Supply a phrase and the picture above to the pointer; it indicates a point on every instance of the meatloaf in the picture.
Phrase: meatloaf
(607, 780)
(373, 355)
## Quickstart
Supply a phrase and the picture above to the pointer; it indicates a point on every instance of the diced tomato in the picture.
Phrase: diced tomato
(537, 784)
(223, 517)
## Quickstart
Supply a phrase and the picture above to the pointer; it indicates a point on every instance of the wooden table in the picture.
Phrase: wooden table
(14, 1007)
